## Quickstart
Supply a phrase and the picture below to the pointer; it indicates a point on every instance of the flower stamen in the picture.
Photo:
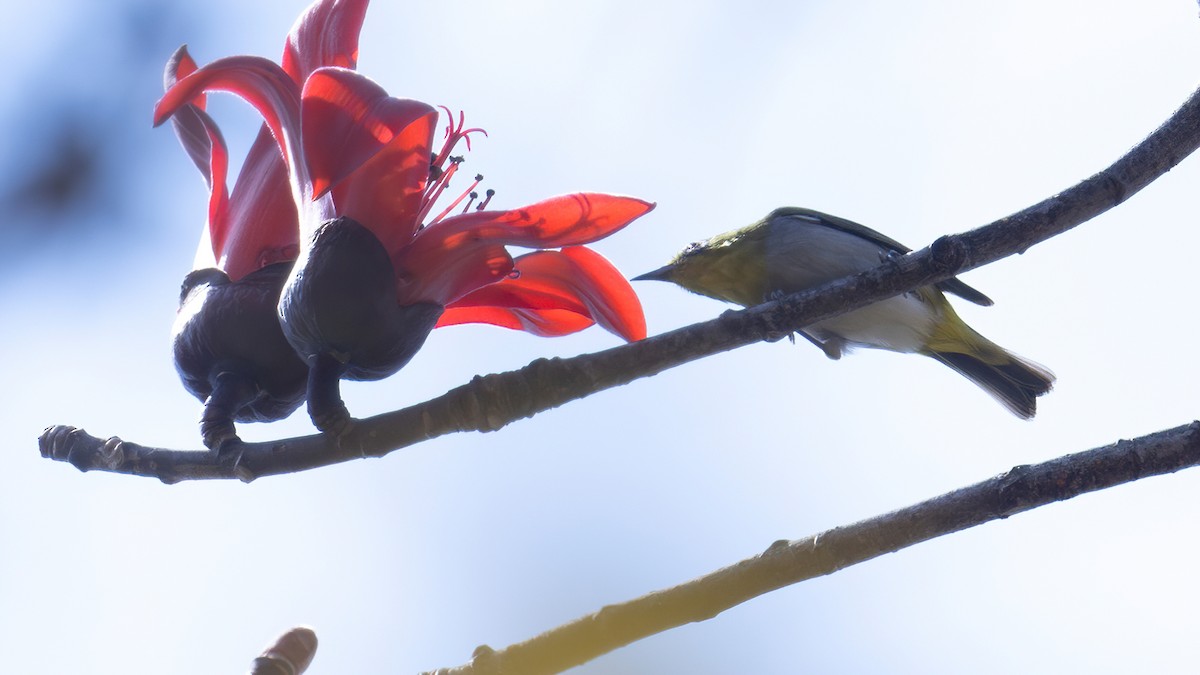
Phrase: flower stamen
(440, 173)
(487, 198)
(436, 187)
(454, 134)
(456, 202)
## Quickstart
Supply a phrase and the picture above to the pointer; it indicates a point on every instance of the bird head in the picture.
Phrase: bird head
(730, 267)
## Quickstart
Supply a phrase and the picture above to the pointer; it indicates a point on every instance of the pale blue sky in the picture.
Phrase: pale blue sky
(914, 118)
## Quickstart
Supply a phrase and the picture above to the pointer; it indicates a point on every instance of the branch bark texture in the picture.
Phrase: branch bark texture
(491, 402)
(788, 562)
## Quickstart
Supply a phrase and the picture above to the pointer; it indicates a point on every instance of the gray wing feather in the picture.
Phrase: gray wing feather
(952, 285)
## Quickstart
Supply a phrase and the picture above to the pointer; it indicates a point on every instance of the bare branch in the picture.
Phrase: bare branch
(490, 402)
(788, 562)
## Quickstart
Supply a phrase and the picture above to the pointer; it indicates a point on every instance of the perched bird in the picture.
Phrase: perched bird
(794, 249)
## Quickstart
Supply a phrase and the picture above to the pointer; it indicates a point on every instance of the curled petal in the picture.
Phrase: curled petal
(555, 293)
(179, 66)
(610, 299)
(568, 220)
(214, 171)
(261, 226)
(202, 140)
(326, 34)
(348, 119)
(261, 83)
(196, 134)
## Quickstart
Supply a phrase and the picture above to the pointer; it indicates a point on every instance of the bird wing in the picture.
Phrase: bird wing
(951, 285)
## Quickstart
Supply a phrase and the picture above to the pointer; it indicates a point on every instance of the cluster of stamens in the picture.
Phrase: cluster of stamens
(443, 166)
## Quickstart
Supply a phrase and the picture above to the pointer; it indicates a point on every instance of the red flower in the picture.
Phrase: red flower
(228, 346)
(361, 175)
(258, 226)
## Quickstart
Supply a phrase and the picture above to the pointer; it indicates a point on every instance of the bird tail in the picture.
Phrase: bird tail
(1014, 381)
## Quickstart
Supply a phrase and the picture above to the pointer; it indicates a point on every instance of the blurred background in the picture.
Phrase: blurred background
(916, 118)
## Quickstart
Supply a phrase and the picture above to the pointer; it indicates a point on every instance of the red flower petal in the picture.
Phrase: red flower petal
(326, 34)
(261, 83)
(348, 119)
(556, 292)
(384, 194)
(559, 221)
(215, 171)
(204, 144)
(444, 279)
(196, 134)
(568, 220)
(543, 323)
(179, 66)
(612, 301)
(260, 226)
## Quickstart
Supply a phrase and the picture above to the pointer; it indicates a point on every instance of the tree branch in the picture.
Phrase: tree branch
(491, 402)
(788, 562)
(290, 654)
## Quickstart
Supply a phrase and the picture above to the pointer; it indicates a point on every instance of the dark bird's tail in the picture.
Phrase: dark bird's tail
(1010, 379)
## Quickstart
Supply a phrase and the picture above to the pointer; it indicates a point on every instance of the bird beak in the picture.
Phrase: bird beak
(660, 274)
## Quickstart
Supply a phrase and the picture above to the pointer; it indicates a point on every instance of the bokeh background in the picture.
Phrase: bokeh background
(916, 118)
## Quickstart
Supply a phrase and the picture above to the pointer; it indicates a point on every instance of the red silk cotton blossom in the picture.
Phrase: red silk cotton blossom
(377, 269)
(229, 348)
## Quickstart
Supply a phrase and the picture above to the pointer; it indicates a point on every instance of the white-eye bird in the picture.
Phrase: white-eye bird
(794, 249)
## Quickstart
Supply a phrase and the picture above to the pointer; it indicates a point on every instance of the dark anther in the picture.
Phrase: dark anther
(471, 197)
(487, 198)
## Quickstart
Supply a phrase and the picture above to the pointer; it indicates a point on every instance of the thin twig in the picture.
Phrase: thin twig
(788, 562)
(489, 403)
